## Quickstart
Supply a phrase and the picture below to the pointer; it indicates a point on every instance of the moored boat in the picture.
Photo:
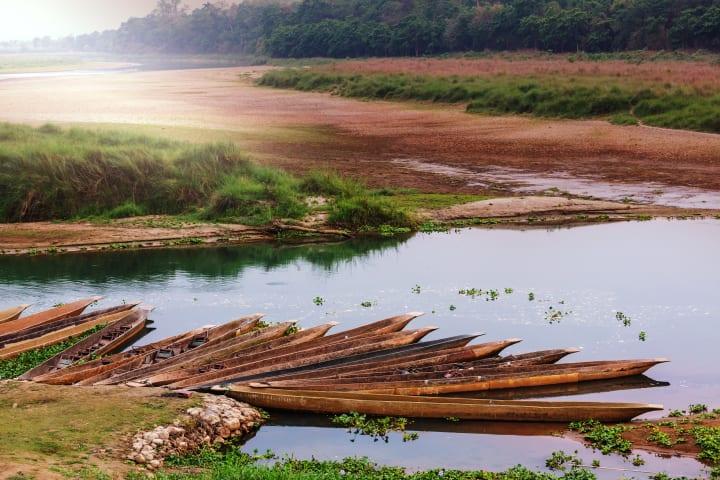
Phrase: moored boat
(110, 338)
(55, 313)
(13, 313)
(479, 379)
(437, 407)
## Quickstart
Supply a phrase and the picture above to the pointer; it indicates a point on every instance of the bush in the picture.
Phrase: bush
(330, 184)
(358, 212)
(623, 119)
(127, 209)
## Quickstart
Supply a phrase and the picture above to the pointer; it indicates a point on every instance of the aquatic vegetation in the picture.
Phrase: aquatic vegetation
(416, 289)
(642, 336)
(376, 428)
(319, 301)
(607, 439)
(659, 437)
(508, 291)
(559, 460)
(621, 317)
(490, 295)
(554, 315)
(708, 440)
(638, 461)
(676, 413)
(453, 308)
(531, 296)
(696, 408)
(369, 211)
(366, 304)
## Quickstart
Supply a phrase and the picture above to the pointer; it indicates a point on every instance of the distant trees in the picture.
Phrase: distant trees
(351, 28)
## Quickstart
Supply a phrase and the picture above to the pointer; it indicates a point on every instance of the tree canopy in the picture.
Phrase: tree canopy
(352, 28)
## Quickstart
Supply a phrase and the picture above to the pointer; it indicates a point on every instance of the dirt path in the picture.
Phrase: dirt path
(301, 131)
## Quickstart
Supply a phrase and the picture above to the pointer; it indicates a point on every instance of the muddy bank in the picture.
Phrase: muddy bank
(35, 238)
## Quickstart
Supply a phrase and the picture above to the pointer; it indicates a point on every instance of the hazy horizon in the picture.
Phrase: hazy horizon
(28, 19)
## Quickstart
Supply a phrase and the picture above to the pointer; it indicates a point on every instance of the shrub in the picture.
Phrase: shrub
(127, 209)
(357, 212)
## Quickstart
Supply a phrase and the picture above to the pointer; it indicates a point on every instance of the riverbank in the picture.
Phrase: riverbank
(157, 231)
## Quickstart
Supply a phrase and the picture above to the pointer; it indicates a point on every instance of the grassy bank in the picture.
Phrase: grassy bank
(49, 173)
(565, 97)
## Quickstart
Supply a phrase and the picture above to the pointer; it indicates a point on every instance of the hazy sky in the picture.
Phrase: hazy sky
(27, 19)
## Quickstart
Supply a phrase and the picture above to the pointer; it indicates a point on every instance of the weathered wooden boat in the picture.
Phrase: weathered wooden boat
(107, 364)
(265, 350)
(310, 356)
(480, 379)
(56, 313)
(11, 350)
(173, 355)
(110, 338)
(401, 357)
(437, 407)
(236, 367)
(10, 314)
(44, 328)
(153, 353)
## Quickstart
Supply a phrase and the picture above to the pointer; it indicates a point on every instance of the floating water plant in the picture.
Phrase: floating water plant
(376, 428)
(416, 289)
(621, 317)
(319, 301)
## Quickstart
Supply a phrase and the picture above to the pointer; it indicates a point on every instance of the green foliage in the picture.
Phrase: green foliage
(623, 119)
(708, 440)
(696, 408)
(520, 95)
(659, 437)
(352, 28)
(607, 439)
(376, 428)
(559, 460)
(15, 367)
(330, 184)
(367, 211)
(50, 173)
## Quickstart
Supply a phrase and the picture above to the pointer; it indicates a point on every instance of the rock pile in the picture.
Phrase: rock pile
(217, 420)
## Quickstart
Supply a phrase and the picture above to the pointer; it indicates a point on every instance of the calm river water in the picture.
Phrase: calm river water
(663, 275)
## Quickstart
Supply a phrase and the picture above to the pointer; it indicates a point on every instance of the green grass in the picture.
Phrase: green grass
(623, 103)
(49, 173)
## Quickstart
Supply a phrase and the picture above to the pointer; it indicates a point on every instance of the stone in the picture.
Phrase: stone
(158, 441)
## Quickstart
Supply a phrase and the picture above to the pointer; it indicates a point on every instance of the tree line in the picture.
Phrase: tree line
(356, 28)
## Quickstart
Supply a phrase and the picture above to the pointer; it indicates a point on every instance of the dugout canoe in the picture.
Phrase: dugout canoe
(213, 351)
(269, 349)
(108, 339)
(450, 349)
(11, 350)
(55, 313)
(321, 354)
(438, 407)
(106, 365)
(10, 314)
(158, 352)
(45, 328)
(525, 376)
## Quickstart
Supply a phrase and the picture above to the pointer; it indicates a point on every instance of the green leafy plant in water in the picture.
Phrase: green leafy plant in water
(554, 315)
(366, 304)
(638, 461)
(416, 289)
(453, 308)
(319, 301)
(607, 439)
(531, 296)
(642, 336)
(697, 408)
(621, 317)
(559, 460)
(376, 428)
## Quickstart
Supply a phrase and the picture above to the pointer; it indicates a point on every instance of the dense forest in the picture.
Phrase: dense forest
(352, 28)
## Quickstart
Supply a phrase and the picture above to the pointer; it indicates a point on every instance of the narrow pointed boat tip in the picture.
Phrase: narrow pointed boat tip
(429, 328)
(333, 324)
(513, 341)
(415, 314)
(661, 360)
(573, 350)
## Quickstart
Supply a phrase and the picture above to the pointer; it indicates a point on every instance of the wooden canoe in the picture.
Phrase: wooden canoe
(11, 314)
(450, 349)
(267, 349)
(153, 353)
(110, 338)
(245, 339)
(164, 351)
(438, 407)
(45, 328)
(106, 365)
(325, 353)
(56, 313)
(526, 376)
(14, 349)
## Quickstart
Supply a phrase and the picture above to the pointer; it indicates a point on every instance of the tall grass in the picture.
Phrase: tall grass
(49, 173)
(665, 106)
